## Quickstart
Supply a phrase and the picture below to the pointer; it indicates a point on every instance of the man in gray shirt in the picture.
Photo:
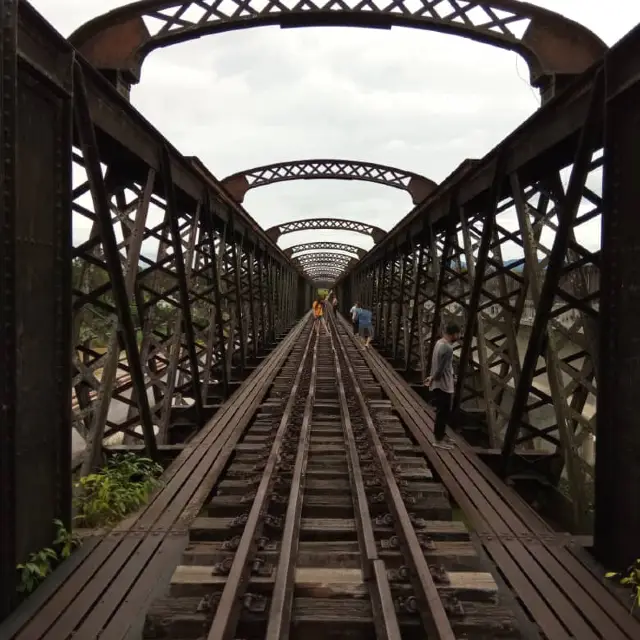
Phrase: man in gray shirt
(441, 382)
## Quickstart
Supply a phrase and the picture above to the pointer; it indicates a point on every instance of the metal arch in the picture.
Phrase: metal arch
(416, 185)
(335, 258)
(324, 265)
(324, 269)
(292, 252)
(326, 223)
(325, 277)
(321, 273)
(551, 44)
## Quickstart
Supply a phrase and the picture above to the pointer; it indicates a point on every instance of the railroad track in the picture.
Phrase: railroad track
(327, 522)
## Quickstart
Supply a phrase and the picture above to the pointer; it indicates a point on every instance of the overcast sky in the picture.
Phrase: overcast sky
(413, 99)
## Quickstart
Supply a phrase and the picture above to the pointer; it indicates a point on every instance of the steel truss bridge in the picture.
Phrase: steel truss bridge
(174, 326)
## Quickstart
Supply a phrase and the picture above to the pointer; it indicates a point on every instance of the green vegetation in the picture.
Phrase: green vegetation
(115, 491)
(103, 498)
(629, 578)
(41, 563)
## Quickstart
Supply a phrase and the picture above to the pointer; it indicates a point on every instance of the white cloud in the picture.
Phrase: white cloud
(418, 100)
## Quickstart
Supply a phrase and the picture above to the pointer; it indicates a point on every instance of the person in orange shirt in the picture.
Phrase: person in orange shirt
(318, 313)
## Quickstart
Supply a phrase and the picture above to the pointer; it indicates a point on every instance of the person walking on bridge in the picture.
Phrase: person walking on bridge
(354, 317)
(318, 314)
(365, 325)
(441, 382)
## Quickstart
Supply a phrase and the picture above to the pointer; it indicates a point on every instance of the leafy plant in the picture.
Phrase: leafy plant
(41, 563)
(115, 491)
(630, 577)
(65, 541)
(36, 569)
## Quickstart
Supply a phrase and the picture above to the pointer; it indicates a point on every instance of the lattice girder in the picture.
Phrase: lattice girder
(416, 185)
(187, 290)
(491, 270)
(333, 259)
(336, 224)
(550, 43)
(296, 250)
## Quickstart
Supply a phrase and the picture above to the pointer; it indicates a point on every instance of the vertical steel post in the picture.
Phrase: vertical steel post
(617, 472)
(35, 306)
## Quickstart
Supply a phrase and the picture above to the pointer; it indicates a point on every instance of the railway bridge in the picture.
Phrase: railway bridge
(182, 455)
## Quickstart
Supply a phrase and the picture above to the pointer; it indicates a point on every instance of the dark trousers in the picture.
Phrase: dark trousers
(356, 326)
(441, 400)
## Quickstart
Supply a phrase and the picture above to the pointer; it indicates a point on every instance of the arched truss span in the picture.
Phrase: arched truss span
(326, 223)
(324, 276)
(314, 270)
(416, 185)
(333, 258)
(550, 43)
(322, 264)
(324, 246)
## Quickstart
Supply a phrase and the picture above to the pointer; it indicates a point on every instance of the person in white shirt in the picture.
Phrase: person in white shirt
(441, 382)
(354, 317)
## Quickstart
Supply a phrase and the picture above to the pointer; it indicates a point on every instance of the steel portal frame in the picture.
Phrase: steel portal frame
(297, 249)
(416, 185)
(336, 224)
(334, 259)
(553, 46)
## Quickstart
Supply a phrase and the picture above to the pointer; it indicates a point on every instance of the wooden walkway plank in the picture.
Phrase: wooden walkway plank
(138, 537)
(139, 579)
(515, 536)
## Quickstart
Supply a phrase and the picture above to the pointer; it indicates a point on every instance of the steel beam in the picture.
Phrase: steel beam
(617, 517)
(553, 46)
(35, 305)
(416, 185)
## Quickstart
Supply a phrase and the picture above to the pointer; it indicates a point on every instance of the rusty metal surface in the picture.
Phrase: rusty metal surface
(338, 247)
(279, 230)
(8, 311)
(618, 435)
(223, 626)
(416, 185)
(35, 259)
(322, 260)
(550, 43)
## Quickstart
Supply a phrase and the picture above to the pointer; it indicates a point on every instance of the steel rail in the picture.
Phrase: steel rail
(543, 577)
(374, 569)
(228, 611)
(434, 617)
(279, 621)
(69, 609)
